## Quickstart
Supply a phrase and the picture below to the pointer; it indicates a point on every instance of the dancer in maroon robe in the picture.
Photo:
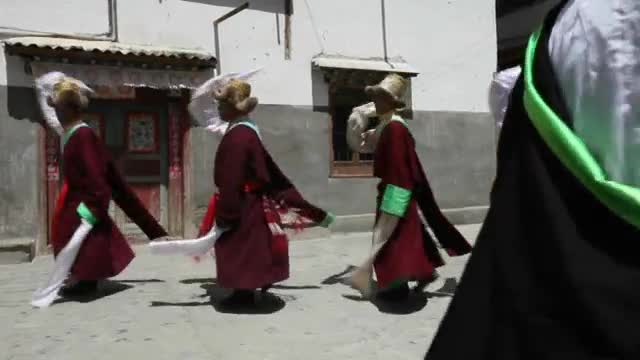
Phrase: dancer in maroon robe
(91, 180)
(402, 248)
(255, 201)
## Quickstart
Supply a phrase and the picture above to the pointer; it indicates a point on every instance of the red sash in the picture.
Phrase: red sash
(210, 216)
(279, 242)
(62, 196)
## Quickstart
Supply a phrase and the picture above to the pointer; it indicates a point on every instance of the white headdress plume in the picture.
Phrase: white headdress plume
(203, 107)
(44, 89)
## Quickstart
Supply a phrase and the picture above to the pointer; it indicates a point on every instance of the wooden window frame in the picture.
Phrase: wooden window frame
(355, 168)
(353, 79)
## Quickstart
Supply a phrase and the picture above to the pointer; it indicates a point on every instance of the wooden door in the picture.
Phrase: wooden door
(136, 136)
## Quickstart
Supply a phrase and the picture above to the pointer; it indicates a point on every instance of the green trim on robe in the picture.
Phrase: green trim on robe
(248, 123)
(395, 200)
(396, 283)
(86, 214)
(621, 199)
(328, 220)
(72, 131)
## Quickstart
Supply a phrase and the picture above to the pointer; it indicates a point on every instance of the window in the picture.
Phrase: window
(346, 91)
(344, 161)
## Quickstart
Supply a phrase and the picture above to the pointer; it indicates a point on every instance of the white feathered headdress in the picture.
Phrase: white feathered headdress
(45, 86)
(203, 107)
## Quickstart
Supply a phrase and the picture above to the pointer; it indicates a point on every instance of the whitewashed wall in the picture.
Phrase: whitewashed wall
(62, 16)
(452, 43)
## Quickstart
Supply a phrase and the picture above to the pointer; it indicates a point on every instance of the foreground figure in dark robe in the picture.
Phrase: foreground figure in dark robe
(402, 249)
(83, 236)
(555, 267)
(254, 204)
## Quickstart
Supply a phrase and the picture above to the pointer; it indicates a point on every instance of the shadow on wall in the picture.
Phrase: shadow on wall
(21, 100)
(19, 116)
(272, 6)
(319, 91)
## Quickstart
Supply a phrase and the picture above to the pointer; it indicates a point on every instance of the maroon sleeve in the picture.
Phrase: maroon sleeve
(283, 190)
(131, 205)
(232, 164)
(92, 160)
(293, 199)
(395, 154)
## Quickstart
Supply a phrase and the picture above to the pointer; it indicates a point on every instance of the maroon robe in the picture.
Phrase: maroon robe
(92, 178)
(410, 253)
(247, 255)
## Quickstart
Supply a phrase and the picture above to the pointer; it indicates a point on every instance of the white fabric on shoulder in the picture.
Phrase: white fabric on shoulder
(595, 53)
(500, 92)
(48, 293)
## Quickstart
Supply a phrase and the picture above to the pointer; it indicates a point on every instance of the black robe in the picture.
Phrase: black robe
(555, 273)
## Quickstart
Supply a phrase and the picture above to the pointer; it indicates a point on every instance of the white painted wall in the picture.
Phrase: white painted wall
(452, 42)
(61, 16)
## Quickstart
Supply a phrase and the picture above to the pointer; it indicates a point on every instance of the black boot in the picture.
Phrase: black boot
(396, 293)
(422, 284)
(240, 298)
(81, 288)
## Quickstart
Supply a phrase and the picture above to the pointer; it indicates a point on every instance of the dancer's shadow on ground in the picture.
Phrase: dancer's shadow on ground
(106, 288)
(339, 278)
(212, 281)
(265, 303)
(448, 289)
(142, 281)
(416, 301)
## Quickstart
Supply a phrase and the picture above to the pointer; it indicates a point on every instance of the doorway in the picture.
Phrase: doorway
(143, 134)
(136, 136)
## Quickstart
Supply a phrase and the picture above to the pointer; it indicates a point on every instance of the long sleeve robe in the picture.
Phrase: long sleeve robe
(410, 253)
(91, 181)
(248, 255)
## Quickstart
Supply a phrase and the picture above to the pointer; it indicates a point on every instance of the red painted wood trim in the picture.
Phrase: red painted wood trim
(177, 113)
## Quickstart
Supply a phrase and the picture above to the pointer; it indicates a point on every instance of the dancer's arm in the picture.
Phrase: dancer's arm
(95, 205)
(131, 205)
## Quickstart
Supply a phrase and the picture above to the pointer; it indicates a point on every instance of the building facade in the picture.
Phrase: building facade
(143, 56)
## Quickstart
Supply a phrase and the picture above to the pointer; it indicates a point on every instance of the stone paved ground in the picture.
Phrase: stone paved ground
(162, 308)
